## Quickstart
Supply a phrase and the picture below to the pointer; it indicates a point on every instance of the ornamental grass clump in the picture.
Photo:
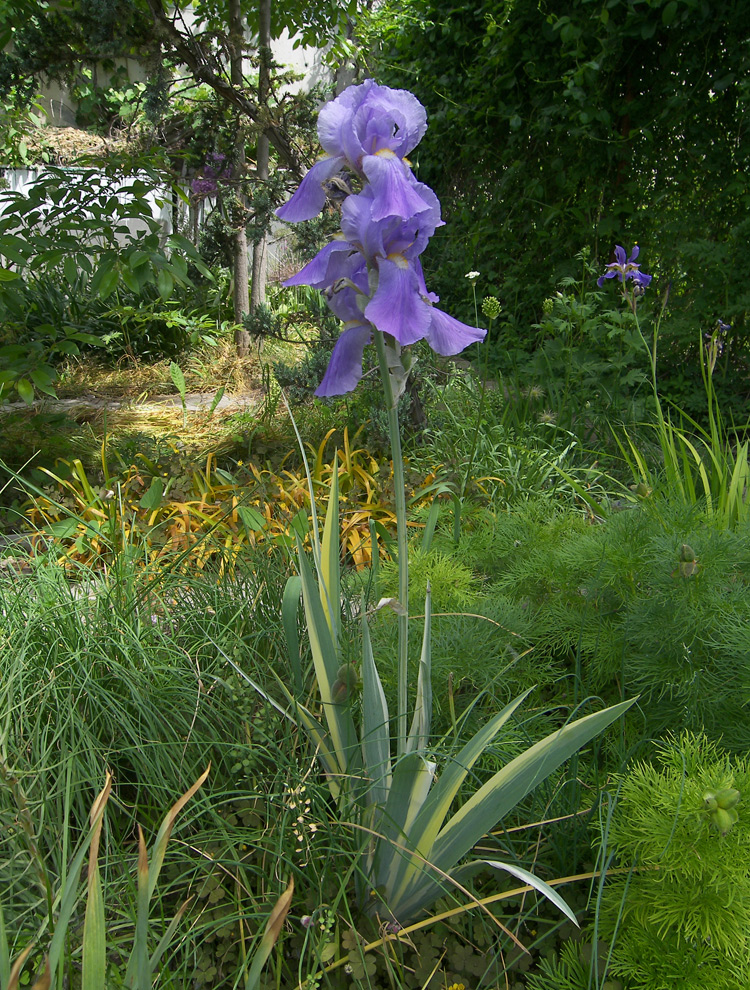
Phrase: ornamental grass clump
(709, 465)
(383, 774)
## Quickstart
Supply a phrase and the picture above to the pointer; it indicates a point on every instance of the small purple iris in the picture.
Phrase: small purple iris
(214, 172)
(371, 273)
(625, 268)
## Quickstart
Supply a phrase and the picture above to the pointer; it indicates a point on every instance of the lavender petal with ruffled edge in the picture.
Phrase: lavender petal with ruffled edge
(369, 128)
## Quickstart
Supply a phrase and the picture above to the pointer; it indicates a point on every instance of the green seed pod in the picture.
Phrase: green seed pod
(687, 554)
(727, 798)
(724, 820)
(709, 799)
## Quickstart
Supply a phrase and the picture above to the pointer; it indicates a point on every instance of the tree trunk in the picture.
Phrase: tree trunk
(199, 58)
(260, 260)
(240, 295)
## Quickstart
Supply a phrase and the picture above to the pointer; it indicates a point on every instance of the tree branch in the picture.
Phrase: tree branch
(202, 63)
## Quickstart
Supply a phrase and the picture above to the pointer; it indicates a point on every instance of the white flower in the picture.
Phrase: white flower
(472, 275)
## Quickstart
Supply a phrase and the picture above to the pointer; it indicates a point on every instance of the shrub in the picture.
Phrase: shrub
(681, 915)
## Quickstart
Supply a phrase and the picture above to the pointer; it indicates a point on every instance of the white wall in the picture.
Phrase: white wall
(20, 180)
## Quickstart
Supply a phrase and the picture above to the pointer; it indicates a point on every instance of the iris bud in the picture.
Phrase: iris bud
(709, 799)
(727, 798)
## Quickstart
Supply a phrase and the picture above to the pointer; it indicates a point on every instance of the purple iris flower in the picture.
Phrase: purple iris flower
(370, 273)
(400, 305)
(369, 129)
(625, 268)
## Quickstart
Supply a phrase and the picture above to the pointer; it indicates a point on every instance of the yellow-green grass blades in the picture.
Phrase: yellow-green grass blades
(140, 968)
(4, 952)
(66, 903)
(15, 972)
(270, 935)
(94, 962)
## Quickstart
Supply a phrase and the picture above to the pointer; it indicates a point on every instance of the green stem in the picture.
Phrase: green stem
(480, 414)
(391, 405)
(650, 350)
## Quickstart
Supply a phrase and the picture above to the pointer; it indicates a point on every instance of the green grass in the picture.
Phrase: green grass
(133, 671)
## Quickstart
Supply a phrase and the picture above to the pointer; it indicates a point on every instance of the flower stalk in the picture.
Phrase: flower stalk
(402, 542)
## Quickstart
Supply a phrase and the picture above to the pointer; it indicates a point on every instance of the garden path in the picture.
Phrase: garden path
(194, 402)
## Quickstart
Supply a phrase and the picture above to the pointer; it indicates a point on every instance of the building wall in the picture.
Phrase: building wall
(60, 106)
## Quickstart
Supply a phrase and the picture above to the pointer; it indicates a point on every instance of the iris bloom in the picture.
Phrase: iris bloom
(370, 273)
(369, 129)
(384, 254)
(625, 268)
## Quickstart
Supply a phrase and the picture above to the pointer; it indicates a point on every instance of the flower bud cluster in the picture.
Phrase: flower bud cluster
(721, 806)
(491, 307)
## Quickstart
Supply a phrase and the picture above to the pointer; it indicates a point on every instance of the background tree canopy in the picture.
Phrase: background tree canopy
(553, 131)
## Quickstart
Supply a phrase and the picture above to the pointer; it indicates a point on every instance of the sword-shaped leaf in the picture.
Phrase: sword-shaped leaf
(326, 662)
(419, 734)
(376, 739)
(290, 601)
(411, 781)
(432, 816)
(330, 553)
(494, 800)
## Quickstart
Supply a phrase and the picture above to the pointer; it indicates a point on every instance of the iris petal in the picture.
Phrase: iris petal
(345, 367)
(310, 198)
(406, 112)
(447, 335)
(396, 306)
(394, 195)
(336, 260)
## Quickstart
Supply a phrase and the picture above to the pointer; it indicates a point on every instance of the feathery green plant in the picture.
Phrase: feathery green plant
(682, 916)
